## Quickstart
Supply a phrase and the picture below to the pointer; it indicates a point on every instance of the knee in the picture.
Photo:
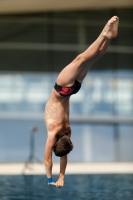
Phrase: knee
(81, 59)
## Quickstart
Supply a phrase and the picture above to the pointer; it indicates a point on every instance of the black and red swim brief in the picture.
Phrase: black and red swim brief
(67, 91)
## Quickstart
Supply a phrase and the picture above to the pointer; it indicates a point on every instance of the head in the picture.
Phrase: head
(63, 146)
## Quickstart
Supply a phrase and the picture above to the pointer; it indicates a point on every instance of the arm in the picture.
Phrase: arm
(48, 157)
(48, 164)
(63, 164)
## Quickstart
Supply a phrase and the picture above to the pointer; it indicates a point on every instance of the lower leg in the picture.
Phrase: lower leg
(98, 55)
(101, 43)
(78, 68)
(101, 51)
(108, 32)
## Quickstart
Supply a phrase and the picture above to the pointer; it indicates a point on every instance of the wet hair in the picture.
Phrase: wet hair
(63, 147)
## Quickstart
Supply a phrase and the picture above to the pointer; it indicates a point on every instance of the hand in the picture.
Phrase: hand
(54, 184)
(50, 181)
(60, 183)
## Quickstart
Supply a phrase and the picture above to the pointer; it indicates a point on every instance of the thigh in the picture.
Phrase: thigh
(70, 73)
(67, 76)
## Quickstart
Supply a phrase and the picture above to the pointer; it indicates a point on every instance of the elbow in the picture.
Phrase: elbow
(48, 162)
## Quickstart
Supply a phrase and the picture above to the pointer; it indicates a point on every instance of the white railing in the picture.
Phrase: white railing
(73, 119)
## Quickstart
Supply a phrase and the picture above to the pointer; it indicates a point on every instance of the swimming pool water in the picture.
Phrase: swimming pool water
(91, 187)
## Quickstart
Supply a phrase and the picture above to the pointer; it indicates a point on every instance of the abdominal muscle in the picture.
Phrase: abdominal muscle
(57, 111)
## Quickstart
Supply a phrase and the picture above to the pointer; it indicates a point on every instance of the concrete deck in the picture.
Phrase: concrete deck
(72, 168)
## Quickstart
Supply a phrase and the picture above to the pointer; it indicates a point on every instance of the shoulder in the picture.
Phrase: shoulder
(54, 126)
(67, 131)
(50, 142)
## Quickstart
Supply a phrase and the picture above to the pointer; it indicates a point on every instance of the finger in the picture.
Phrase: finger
(61, 184)
(57, 184)
(52, 183)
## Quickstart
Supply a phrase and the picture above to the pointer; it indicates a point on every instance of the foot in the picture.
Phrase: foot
(111, 28)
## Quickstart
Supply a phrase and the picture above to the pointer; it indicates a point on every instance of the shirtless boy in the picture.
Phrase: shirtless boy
(57, 108)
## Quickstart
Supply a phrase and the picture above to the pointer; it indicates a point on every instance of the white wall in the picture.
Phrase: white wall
(27, 6)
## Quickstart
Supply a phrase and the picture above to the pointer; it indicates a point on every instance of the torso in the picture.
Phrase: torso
(56, 114)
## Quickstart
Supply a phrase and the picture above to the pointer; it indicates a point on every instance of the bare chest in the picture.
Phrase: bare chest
(56, 116)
